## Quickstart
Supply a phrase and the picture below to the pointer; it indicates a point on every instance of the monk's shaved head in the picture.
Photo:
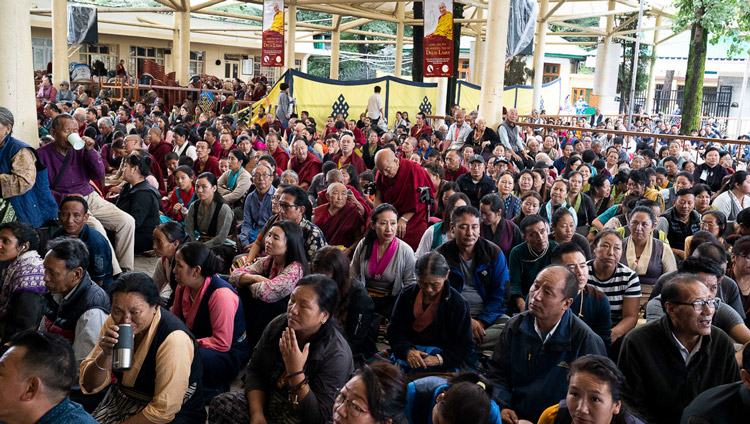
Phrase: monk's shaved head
(334, 176)
(387, 162)
(335, 186)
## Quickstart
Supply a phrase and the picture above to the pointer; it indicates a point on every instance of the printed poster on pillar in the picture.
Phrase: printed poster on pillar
(272, 49)
(438, 38)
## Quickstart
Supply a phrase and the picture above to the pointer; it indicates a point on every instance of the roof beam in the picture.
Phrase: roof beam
(355, 23)
(552, 11)
(580, 28)
(204, 5)
(624, 24)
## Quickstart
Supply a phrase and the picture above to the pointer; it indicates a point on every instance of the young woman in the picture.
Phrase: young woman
(446, 191)
(581, 202)
(564, 231)
(599, 192)
(558, 198)
(501, 231)
(530, 204)
(525, 183)
(182, 145)
(734, 195)
(381, 262)
(168, 237)
(234, 184)
(183, 196)
(264, 286)
(209, 219)
(140, 199)
(163, 124)
(286, 383)
(212, 311)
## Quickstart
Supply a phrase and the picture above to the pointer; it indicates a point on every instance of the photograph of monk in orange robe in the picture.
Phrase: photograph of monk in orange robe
(444, 29)
(277, 24)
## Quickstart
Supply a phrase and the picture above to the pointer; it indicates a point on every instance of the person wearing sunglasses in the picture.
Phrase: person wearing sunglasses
(668, 362)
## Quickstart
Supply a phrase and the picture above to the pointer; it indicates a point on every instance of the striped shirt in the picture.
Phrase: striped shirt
(624, 283)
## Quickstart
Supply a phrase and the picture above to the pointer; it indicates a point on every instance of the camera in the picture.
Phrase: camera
(424, 194)
(369, 189)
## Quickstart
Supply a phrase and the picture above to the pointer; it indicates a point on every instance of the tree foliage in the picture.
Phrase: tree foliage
(727, 19)
(516, 72)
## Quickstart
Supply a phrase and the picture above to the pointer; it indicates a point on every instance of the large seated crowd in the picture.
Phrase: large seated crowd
(361, 271)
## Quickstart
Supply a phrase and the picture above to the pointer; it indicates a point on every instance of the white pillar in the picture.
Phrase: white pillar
(290, 37)
(652, 66)
(335, 43)
(604, 84)
(60, 65)
(399, 38)
(182, 48)
(17, 70)
(476, 65)
(541, 34)
(493, 77)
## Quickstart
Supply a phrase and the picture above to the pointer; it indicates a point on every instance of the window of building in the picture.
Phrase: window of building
(90, 53)
(42, 51)
(266, 71)
(551, 72)
(137, 54)
(197, 60)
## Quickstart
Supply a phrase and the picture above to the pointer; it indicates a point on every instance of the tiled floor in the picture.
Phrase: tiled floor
(145, 264)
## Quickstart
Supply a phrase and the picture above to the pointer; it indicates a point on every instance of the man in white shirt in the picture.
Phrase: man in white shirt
(458, 131)
(375, 107)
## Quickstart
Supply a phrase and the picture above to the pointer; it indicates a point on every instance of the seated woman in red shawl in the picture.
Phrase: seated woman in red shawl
(340, 219)
(348, 155)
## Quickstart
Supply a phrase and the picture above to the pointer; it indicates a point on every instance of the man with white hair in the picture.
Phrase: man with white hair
(510, 137)
(105, 131)
(457, 132)
(80, 117)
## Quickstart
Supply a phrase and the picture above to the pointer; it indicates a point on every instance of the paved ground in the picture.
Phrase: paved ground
(145, 264)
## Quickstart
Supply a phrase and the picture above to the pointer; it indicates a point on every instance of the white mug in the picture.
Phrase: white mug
(76, 141)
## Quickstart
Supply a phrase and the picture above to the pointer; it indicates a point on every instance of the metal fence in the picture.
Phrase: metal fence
(716, 101)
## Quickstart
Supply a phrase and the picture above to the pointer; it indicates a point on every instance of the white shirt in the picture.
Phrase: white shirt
(190, 152)
(551, 332)
(374, 104)
(457, 140)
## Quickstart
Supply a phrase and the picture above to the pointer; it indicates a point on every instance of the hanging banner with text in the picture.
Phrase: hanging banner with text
(438, 39)
(272, 51)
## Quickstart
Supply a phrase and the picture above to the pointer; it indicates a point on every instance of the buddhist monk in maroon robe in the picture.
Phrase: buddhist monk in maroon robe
(304, 163)
(340, 220)
(348, 155)
(396, 182)
(453, 167)
(279, 155)
(335, 176)
(159, 148)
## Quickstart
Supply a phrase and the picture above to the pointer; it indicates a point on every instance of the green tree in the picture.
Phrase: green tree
(516, 72)
(728, 19)
(625, 73)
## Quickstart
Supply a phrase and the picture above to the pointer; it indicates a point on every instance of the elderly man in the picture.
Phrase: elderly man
(457, 132)
(340, 220)
(420, 126)
(257, 208)
(529, 366)
(106, 131)
(528, 258)
(70, 172)
(397, 182)
(279, 154)
(476, 183)
(77, 307)
(36, 373)
(510, 136)
(479, 272)
(453, 166)
(305, 164)
(74, 211)
(668, 362)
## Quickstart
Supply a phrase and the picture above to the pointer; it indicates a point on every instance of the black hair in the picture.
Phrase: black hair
(605, 370)
(434, 168)
(72, 250)
(467, 400)
(240, 156)
(57, 121)
(672, 293)
(370, 235)
(353, 176)
(368, 176)
(684, 192)
(327, 293)
(711, 250)
(295, 249)
(24, 233)
(211, 178)
(660, 170)
(300, 198)
(386, 391)
(601, 234)
(563, 249)
(446, 186)
(450, 206)
(736, 179)
(431, 263)
(639, 177)
(530, 220)
(48, 357)
(332, 260)
(141, 162)
(173, 231)
(76, 198)
(559, 214)
(465, 210)
(720, 217)
(494, 201)
(645, 209)
(185, 170)
(696, 264)
(137, 282)
(198, 254)
(670, 159)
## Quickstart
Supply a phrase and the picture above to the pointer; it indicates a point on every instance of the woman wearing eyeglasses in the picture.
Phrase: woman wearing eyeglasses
(298, 365)
(648, 257)
(374, 394)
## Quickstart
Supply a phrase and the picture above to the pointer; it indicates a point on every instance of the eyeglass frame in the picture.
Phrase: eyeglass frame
(698, 305)
(352, 407)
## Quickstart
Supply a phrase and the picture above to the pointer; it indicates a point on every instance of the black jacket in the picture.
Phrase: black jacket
(659, 383)
(358, 323)
(475, 191)
(141, 201)
(452, 326)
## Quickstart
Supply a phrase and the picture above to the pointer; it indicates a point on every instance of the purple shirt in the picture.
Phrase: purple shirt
(84, 165)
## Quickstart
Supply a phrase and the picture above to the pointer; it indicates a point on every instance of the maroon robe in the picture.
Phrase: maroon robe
(453, 175)
(282, 160)
(224, 153)
(307, 170)
(216, 148)
(156, 172)
(323, 199)
(401, 192)
(354, 159)
(339, 229)
(212, 165)
(159, 151)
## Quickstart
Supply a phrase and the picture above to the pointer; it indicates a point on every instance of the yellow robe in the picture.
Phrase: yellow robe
(445, 26)
(278, 23)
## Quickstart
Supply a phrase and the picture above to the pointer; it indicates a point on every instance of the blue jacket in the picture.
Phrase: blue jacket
(36, 206)
(530, 375)
(100, 254)
(490, 276)
(421, 397)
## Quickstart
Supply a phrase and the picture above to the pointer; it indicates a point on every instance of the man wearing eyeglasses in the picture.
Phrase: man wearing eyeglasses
(668, 362)
(258, 207)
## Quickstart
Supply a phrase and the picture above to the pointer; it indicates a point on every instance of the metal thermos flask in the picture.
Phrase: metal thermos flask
(123, 352)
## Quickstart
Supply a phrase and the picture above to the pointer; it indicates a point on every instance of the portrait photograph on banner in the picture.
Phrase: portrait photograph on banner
(272, 50)
(438, 38)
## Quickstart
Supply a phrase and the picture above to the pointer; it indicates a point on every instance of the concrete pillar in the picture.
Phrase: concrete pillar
(652, 66)
(291, 29)
(335, 44)
(493, 77)
(400, 7)
(476, 61)
(60, 64)
(182, 47)
(541, 35)
(17, 68)
(603, 80)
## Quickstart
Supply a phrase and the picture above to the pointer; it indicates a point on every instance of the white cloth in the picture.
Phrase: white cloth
(374, 105)
(457, 140)
(104, 214)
